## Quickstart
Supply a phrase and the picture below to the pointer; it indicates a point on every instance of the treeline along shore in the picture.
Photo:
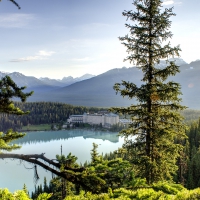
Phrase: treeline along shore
(53, 113)
(41, 113)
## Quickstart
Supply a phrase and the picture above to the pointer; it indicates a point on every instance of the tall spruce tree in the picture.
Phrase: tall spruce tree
(156, 121)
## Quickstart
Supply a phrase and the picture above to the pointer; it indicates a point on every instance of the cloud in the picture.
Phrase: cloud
(170, 2)
(15, 20)
(46, 53)
(41, 55)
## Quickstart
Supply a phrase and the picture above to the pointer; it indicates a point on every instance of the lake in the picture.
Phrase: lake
(15, 173)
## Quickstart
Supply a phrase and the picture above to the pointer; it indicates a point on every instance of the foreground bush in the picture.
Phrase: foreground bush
(5, 194)
(159, 191)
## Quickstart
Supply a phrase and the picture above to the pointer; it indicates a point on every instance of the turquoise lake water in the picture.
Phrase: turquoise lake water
(79, 142)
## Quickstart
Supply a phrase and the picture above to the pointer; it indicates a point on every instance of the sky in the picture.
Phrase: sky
(56, 39)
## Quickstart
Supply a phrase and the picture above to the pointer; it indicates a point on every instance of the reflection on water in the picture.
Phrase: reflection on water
(78, 142)
(47, 136)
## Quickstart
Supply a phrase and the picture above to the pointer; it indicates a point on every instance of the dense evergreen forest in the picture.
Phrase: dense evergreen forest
(41, 113)
(53, 113)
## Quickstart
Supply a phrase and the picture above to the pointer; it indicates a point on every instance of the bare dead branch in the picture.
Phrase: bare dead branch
(39, 160)
(15, 3)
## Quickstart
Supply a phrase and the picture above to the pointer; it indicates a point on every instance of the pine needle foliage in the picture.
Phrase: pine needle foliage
(8, 91)
(8, 137)
(156, 121)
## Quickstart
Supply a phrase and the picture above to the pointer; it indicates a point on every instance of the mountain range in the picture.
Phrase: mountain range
(98, 90)
(65, 81)
(43, 84)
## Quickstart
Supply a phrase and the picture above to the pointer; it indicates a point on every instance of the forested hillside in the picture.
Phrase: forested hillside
(41, 113)
(191, 157)
(51, 113)
(190, 115)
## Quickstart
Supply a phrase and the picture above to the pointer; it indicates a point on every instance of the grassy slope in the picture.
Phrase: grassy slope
(41, 127)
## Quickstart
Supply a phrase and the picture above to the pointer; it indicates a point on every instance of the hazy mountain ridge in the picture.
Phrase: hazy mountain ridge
(22, 80)
(98, 91)
(42, 84)
(65, 81)
(179, 62)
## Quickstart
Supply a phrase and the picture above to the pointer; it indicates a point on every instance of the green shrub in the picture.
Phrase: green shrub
(167, 187)
(5, 194)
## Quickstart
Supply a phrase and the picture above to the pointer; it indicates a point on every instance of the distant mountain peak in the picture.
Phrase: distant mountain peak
(86, 76)
(178, 61)
(4, 72)
(67, 78)
(196, 61)
(65, 81)
(45, 78)
(16, 74)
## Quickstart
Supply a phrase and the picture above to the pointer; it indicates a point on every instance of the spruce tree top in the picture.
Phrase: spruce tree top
(148, 33)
